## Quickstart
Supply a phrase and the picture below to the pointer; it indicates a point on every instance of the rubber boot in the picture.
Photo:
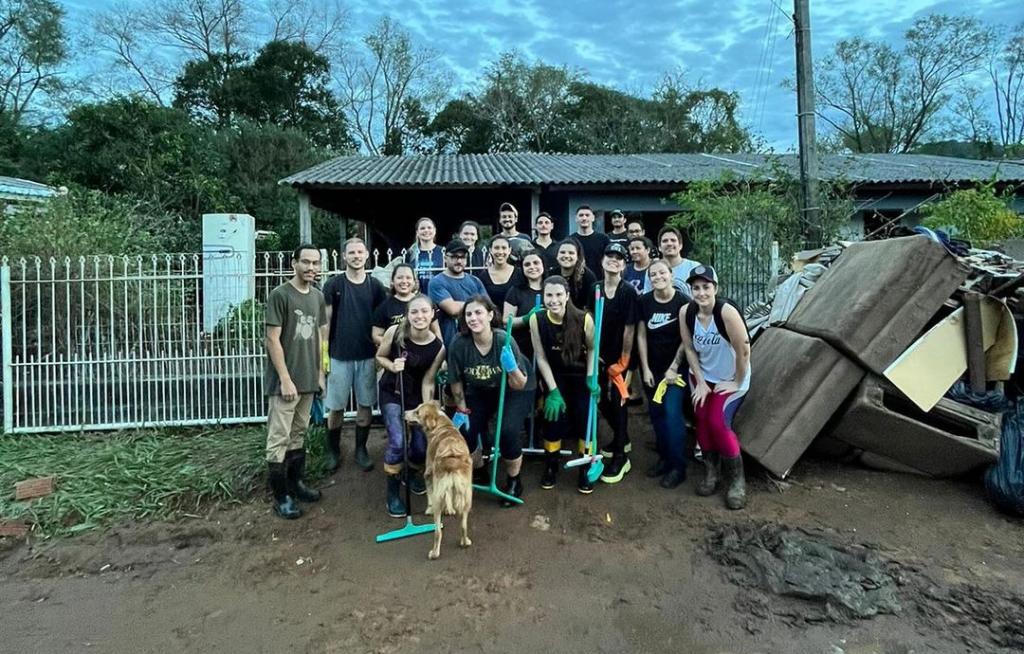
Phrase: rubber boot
(333, 449)
(583, 483)
(396, 507)
(709, 484)
(295, 463)
(550, 476)
(362, 457)
(736, 493)
(659, 469)
(513, 487)
(414, 477)
(284, 505)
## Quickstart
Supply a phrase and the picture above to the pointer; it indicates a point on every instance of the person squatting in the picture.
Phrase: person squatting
(526, 315)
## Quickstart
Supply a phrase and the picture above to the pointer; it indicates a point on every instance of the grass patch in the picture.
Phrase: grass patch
(111, 478)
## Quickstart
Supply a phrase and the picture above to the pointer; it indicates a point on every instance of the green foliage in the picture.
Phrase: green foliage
(244, 324)
(979, 215)
(107, 479)
(130, 145)
(733, 222)
(33, 43)
(85, 222)
(286, 84)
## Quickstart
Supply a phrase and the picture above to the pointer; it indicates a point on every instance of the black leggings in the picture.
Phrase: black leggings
(614, 412)
(483, 406)
(572, 424)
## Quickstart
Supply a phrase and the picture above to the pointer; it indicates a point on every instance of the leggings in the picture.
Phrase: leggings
(572, 424)
(714, 423)
(615, 413)
(394, 455)
(483, 406)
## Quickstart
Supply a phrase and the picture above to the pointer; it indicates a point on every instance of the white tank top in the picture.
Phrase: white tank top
(717, 358)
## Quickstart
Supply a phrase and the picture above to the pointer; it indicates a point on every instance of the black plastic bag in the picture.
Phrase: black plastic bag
(1004, 480)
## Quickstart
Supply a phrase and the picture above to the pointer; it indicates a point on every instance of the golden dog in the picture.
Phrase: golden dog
(448, 471)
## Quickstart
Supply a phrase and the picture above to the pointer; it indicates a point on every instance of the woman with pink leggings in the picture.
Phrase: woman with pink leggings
(717, 348)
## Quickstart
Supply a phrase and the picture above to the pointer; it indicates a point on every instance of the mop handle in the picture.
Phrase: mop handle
(533, 373)
(405, 441)
(598, 323)
(501, 408)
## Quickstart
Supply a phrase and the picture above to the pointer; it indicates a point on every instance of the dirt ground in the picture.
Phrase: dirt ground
(622, 570)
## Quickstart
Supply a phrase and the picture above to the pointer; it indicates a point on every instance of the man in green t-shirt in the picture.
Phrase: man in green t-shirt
(296, 324)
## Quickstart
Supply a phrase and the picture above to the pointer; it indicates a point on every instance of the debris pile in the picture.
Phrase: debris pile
(864, 341)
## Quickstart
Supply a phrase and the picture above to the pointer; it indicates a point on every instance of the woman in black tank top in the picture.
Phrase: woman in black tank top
(412, 352)
(563, 339)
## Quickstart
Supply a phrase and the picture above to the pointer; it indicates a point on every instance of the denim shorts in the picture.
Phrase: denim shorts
(348, 376)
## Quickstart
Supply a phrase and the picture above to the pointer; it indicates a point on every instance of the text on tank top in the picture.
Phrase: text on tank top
(717, 358)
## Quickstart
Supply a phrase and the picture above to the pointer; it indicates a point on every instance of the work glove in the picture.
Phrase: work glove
(659, 393)
(554, 405)
(619, 368)
(461, 420)
(595, 388)
(441, 378)
(532, 312)
(325, 358)
(508, 359)
(620, 384)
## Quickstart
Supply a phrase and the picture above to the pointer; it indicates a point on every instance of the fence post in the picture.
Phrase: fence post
(6, 320)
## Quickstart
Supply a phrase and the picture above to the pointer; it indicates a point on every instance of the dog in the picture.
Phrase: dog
(448, 471)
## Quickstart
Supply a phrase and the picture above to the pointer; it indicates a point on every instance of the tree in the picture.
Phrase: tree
(883, 100)
(133, 146)
(207, 89)
(33, 45)
(382, 86)
(525, 103)
(1007, 73)
(696, 120)
(459, 129)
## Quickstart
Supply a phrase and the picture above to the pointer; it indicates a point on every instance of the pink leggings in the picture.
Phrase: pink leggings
(714, 423)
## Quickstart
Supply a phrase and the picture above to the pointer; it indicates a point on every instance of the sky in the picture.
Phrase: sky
(738, 45)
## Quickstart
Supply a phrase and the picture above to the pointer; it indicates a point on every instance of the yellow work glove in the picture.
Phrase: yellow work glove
(659, 393)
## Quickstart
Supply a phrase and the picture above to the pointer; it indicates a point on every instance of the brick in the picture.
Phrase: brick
(32, 488)
(13, 529)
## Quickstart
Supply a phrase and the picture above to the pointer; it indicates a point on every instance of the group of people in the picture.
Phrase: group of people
(441, 325)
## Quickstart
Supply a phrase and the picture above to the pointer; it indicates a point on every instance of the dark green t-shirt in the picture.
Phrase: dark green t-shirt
(300, 316)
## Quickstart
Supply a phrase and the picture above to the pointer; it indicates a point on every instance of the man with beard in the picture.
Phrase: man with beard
(508, 218)
(352, 298)
(450, 290)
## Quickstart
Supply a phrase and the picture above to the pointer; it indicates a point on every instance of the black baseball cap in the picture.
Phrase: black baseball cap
(616, 212)
(456, 245)
(616, 249)
(707, 273)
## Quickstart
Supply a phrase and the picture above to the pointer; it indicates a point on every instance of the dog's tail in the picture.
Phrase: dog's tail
(454, 491)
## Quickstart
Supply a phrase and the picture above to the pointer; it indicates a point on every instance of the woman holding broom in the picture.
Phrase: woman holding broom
(410, 350)
(477, 359)
(563, 339)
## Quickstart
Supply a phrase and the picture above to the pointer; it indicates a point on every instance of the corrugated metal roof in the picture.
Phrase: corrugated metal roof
(530, 169)
(12, 187)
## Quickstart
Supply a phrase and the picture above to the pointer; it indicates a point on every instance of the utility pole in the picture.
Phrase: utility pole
(809, 208)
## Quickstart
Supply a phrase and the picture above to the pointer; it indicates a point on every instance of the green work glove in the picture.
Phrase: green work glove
(595, 388)
(441, 378)
(532, 312)
(554, 405)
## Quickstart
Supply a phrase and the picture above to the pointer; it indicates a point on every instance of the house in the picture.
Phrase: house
(15, 192)
(387, 194)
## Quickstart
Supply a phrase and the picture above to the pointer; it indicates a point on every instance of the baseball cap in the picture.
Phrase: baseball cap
(617, 212)
(617, 250)
(707, 273)
(455, 245)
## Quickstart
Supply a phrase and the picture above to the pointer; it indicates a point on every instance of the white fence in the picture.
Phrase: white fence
(111, 342)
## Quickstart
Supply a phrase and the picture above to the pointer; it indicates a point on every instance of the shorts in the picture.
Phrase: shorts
(348, 376)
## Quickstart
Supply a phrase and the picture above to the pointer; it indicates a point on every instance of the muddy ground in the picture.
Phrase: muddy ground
(623, 570)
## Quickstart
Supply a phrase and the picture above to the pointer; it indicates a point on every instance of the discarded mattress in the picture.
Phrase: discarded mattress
(877, 297)
(798, 384)
(950, 440)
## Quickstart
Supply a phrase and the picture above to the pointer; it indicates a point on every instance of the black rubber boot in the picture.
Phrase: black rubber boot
(295, 463)
(396, 507)
(709, 484)
(414, 477)
(616, 469)
(333, 449)
(550, 476)
(362, 457)
(736, 492)
(514, 487)
(583, 484)
(284, 505)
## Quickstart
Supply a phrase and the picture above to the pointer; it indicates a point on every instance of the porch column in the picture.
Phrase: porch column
(305, 222)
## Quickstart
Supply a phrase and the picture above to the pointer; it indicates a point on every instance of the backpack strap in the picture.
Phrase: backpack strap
(716, 312)
(691, 316)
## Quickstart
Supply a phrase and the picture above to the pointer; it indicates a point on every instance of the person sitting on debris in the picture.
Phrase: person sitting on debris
(296, 323)
(717, 347)
(410, 349)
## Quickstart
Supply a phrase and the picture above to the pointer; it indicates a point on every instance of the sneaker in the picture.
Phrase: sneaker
(658, 469)
(673, 478)
(616, 469)
(584, 485)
